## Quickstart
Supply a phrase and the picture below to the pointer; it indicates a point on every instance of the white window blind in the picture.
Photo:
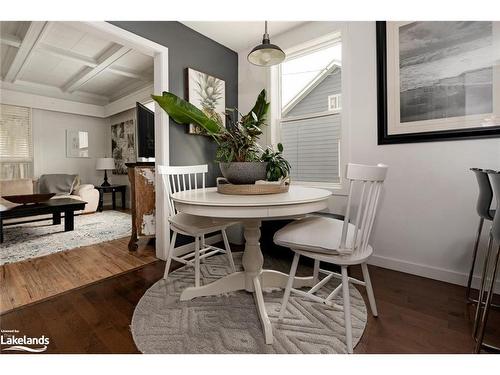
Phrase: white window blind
(311, 145)
(16, 147)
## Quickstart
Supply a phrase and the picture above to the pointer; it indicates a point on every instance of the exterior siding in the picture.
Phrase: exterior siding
(317, 100)
(311, 145)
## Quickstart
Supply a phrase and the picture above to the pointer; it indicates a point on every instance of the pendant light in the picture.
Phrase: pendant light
(266, 54)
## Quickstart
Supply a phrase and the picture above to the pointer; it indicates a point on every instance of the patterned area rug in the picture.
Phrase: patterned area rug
(230, 324)
(32, 240)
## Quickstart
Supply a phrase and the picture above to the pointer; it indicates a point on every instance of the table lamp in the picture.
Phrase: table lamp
(105, 164)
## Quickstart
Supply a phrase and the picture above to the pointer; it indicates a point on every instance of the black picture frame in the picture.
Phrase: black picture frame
(382, 113)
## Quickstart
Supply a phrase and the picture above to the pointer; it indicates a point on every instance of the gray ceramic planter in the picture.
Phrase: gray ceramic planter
(239, 173)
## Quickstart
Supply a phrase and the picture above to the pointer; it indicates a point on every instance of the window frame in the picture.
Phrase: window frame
(337, 98)
(274, 78)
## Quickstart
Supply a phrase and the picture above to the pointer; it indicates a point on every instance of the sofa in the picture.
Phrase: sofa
(82, 192)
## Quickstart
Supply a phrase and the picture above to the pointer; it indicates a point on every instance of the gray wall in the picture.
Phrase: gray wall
(187, 48)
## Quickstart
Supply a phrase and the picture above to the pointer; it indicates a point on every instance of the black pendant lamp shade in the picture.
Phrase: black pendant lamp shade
(266, 54)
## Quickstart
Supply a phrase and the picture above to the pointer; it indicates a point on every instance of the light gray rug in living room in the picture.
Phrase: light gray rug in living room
(32, 240)
(230, 324)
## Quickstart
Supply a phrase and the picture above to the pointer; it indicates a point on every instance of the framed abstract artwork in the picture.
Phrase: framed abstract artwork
(123, 145)
(438, 80)
(207, 93)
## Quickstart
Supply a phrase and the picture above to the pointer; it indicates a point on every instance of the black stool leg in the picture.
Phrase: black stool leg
(480, 297)
(474, 256)
(484, 319)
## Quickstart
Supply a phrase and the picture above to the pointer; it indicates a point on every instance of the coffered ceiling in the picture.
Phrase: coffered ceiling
(63, 60)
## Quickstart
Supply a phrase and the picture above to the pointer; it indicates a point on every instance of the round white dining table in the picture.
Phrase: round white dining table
(250, 210)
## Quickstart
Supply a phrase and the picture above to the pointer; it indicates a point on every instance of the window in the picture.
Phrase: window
(310, 122)
(16, 147)
(334, 102)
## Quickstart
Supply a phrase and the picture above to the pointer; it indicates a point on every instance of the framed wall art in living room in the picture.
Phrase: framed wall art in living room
(438, 80)
(123, 145)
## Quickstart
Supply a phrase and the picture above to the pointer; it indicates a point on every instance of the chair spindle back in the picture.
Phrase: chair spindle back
(176, 179)
(369, 179)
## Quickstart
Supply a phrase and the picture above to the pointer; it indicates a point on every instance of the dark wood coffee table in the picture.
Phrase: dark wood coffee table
(52, 206)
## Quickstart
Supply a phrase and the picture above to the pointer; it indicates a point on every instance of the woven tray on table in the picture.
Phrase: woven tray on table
(259, 188)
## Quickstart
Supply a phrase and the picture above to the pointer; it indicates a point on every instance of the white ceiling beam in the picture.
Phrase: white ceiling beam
(128, 101)
(51, 104)
(128, 88)
(67, 55)
(34, 35)
(120, 70)
(90, 62)
(10, 40)
(104, 62)
(54, 92)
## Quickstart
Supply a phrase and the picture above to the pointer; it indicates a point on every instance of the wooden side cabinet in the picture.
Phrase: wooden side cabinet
(142, 198)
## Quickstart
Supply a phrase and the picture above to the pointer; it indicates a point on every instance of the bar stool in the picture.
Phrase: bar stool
(483, 205)
(491, 261)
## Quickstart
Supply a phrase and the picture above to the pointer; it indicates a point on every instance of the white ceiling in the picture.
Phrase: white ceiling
(240, 36)
(62, 60)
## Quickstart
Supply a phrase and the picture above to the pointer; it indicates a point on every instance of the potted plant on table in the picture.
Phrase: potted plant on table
(241, 159)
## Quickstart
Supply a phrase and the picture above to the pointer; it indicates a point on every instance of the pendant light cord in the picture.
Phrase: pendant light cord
(265, 37)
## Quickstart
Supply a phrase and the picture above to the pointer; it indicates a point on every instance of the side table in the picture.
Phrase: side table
(111, 189)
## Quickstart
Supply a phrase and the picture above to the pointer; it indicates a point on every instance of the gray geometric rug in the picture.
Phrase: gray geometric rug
(230, 324)
(32, 240)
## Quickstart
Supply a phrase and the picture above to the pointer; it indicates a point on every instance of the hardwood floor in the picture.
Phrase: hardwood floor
(416, 315)
(37, 279)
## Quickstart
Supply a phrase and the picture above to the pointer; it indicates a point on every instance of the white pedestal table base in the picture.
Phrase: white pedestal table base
(252, 279)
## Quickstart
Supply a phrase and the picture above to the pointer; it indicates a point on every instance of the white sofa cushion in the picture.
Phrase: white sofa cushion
(317, 234)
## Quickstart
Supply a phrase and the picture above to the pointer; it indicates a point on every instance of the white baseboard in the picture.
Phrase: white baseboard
(423, 270)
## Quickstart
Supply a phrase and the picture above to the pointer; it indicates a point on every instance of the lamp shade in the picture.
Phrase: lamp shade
(105, 164)
(266, 54)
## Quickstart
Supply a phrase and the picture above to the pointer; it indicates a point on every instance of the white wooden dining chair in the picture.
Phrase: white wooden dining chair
(176, 179)
(334, 241)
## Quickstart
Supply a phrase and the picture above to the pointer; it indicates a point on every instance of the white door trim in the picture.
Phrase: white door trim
(160, 56)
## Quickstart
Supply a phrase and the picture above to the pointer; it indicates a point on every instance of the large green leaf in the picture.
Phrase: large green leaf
(184, 112)
(257, 114)
(261, 106)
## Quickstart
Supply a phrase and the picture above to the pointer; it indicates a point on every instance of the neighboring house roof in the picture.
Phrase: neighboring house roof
(330, 68)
